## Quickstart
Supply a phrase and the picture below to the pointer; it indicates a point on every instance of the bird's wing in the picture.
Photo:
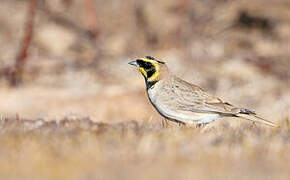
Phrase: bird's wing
(192, 98)
(189, 97)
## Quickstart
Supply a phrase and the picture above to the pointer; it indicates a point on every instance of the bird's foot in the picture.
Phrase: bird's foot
(201, 125)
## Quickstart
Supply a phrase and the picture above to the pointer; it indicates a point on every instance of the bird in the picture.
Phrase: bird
(185, 103)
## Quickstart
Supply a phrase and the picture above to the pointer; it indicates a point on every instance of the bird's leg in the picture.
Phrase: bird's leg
(164, 122)
(252, 125)
(198, 125)
(201, 125)
(184, 125)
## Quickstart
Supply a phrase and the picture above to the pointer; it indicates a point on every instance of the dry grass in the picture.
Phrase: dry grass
(82, 149)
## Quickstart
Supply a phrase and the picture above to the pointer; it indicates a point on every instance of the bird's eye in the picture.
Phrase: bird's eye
(144, 64)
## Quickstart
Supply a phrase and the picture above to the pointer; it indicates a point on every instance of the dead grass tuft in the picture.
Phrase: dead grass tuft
(83, 149)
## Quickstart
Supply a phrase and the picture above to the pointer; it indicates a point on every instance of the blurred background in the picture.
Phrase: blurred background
(68, 59)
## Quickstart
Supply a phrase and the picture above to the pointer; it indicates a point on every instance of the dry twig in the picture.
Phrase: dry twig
(16, 72)
(90, 10)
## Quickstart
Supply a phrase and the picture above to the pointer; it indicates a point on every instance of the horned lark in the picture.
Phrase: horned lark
(185, 103)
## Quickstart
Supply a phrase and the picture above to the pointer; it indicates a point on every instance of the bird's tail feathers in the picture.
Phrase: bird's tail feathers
(255, 118)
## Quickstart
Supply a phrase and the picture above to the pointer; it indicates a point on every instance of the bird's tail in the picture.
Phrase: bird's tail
(255, 118)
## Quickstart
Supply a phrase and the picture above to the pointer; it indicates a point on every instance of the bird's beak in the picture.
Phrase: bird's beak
(134, 63)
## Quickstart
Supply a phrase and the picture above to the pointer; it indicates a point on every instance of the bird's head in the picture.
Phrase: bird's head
(152, 69)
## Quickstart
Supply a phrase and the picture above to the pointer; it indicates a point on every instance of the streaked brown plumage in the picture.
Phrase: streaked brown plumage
(184, 102)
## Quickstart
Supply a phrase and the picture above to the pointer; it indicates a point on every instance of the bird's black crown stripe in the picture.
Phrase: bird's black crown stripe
(160, 62)
(150, 57)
